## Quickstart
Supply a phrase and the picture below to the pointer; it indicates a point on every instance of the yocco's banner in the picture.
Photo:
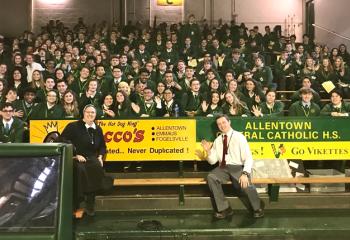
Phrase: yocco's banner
(177, 139)
(133, 140)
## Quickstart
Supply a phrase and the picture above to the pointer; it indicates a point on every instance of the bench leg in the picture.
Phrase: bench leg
(273, 191)
(195, 166)
(181, 169)
(182, 187)
(182, 195)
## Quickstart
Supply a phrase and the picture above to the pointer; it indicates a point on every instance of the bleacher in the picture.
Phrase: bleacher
(170, 200)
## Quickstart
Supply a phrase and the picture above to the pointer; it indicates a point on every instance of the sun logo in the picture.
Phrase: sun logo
(46, 130)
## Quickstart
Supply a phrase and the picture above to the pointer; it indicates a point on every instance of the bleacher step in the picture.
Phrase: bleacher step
(157, 202)
(199, 225)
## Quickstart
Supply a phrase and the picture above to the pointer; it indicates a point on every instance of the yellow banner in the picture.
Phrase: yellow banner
(302, 150)
(169, 2)
(294, 150)
(133, 140)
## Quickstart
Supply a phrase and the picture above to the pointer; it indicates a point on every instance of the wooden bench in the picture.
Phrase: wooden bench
(273, 183)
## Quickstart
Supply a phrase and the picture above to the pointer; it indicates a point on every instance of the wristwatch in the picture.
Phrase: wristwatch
(246, 173)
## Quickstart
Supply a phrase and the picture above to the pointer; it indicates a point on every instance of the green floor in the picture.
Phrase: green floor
(277, 224)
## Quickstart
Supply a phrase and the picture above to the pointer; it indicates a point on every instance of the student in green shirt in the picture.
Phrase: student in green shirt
(191, 29)
(325, 73)
(343, 76)
(211, 108)
(306, 83)
(234, 107)
(269, 108)
(114, 61)
(161, 69)
(235, 63)
(252, 93)
(141, 54)
(48, 109)
(79, 84)
(11, 128)
(37, 80)
(18, 82)
(185, 82)
(105, 83)
(24, 107)
(228, 77)
(205, 88)
(305, 107)
(262, 74)
(309, 70)
(10, 96)
(90, 96)
(49, 84)
(170, 55)
(234, 88)
(180, 71)
(59, 75)
(124, 108)
(188, 51)
(62, 87)
(160, 90)
(192, 100)
(124, 64)
(337, 107)
(70, 105)
(284, 73)
(107, 107)
(170, 82)
(148, 105)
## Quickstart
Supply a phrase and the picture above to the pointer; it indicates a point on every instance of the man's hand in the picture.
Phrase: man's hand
(19, 113)
(206, 145)
(80, 158)
(244, 181)
(100, 159)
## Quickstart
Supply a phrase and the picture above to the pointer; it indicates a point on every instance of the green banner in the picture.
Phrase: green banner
(281, 129)
(291, 138)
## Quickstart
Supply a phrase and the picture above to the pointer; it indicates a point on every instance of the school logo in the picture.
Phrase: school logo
(278, 152)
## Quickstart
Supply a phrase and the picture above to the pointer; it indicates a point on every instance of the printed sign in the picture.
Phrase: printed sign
(169, 2)
(133, 140)
(288, 138)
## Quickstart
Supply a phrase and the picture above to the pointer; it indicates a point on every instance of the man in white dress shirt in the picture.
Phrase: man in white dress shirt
(232, 151)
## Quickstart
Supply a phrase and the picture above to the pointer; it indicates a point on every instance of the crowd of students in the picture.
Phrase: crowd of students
(183, 70)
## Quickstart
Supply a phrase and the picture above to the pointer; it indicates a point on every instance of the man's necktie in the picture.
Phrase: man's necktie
(224, 152)
(196, 99)
(7, 128)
